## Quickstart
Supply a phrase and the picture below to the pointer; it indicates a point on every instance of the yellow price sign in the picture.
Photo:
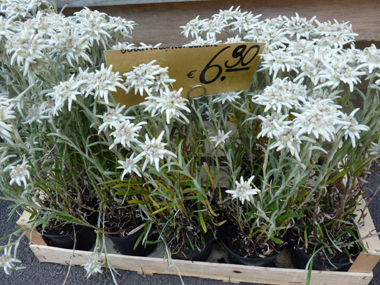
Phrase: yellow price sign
(213, 68)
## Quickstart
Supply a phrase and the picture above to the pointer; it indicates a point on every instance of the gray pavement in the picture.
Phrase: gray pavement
(49, 273)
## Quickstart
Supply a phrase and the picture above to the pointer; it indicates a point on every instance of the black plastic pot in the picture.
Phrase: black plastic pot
(300, 260)
(126, 244)
(195, 254)
(85, 238)
(238, 259)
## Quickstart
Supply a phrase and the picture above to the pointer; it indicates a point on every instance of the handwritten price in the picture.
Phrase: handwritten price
(240, 53)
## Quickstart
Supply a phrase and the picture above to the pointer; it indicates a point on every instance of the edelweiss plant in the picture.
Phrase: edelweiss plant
(299, 150)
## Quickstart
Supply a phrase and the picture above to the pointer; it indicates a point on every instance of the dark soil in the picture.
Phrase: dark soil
(78, 205)
(120, 222)
(199, 245)
(336, 257)
(240, 243)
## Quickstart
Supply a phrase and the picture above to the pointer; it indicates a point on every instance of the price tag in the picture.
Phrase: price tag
(219, 68)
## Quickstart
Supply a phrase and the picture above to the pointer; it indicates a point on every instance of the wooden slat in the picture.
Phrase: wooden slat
(89, 3)
(372, 244)
(34, 238)
(224, 272)
(159, 22)
(365, 262)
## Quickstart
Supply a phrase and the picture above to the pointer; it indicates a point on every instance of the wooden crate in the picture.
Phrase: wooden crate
(360, 272)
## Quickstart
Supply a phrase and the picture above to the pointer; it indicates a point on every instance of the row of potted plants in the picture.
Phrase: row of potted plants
(295, 151)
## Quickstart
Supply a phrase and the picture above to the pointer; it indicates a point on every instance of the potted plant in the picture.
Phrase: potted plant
(293, 119)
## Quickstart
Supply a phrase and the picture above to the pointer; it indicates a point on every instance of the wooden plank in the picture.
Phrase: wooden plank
(35, 237)
(368, 229)
(159, 22)
(218, 271)
(89, 3)
(364, 263)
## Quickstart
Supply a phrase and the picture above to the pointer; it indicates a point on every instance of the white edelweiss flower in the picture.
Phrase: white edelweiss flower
(92, 266)
(6, 261)
(300, 47)
(113, 118)
(35, 114)
(271, 125)
(126, 133)
(279, 95)
(142, 77)
(153, 151)
(67, 43)
(277, 22)
(103, 82)
(169, 102)
(230, 96)
(289, 139)
(370, 58)
(19, 173)
(352, 129)
(93, 25)
(162, 80)
(26, 48)
(340, 71)
(121, 27)
(374, 150)
(212, 115)
(212, 27)
(6, 115)
(129, 165)
(229, 15)
(336, 29)
(172, 103)
(279, 59)
(245, 22)
(299, 27)
(193, 27)
(311, 65)
(220, 138)
(65, 91)
(243, 190)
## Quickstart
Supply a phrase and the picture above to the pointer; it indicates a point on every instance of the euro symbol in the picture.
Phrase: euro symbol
(190, 74)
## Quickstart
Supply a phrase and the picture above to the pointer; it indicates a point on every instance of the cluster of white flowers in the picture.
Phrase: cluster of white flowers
(315, 116)
(40, 36)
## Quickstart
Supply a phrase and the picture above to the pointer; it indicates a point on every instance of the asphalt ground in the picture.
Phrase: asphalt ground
(50, 273)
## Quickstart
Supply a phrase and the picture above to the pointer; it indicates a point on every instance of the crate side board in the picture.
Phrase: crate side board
(365, 262)
(34, 237)
(225, 272)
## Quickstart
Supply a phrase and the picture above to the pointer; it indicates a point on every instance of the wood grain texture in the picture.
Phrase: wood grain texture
(225, 272)
(89, 3)
(34, 237)
(159, 22)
